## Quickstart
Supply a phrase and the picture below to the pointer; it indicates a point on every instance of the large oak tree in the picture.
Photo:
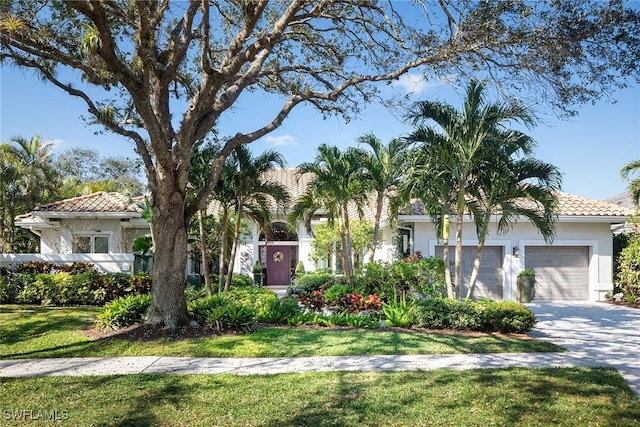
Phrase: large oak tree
(164, 73)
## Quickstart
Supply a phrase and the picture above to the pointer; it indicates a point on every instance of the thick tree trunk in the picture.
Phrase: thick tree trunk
(168, 304)
(234, 249)
(205, 261)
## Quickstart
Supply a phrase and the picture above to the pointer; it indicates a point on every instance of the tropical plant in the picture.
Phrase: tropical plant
(27, 178)
(465, 164)
(626, 172)
(382, 168)
(254, 196)
(335, 187)
(628, 280)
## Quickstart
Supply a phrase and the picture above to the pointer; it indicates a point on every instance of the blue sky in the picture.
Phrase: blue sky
(589, 149)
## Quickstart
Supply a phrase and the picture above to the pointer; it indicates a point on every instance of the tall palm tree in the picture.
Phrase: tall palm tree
(465, 138)
(627, 170)
(334, 187)
(254, 197)
(28, 178)
(382, 168)
(513, 187)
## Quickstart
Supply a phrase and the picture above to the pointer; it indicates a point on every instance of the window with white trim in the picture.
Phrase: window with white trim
(91, 244)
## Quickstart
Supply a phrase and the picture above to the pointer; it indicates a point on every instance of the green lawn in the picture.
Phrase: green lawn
(528, 397)
(38, 332)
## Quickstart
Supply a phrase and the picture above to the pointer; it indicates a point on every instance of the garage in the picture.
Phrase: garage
(489, 283)
(562, 273)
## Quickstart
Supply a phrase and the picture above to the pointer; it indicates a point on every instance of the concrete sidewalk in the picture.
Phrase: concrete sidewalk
(250, 366)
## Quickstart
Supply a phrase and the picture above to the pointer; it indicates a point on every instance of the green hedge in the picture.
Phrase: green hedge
(483, 315)
(69, 288)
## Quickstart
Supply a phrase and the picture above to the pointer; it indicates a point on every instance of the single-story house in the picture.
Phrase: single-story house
(97, 228)
(100, 228)
(576, 266)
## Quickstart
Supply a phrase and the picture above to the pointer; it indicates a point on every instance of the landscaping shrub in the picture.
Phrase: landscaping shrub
(200, 309)
(628, 280)
(314, 281)
(399, 312)
(237, 280)
(278, 311)
(484, 315)
(422, 278)
(8, 290)
(505, 316)
(65, 288)
(124, 311)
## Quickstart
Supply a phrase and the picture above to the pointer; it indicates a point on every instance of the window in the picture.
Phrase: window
(95, 244)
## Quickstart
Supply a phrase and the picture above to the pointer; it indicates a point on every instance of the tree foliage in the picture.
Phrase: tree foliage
(84, 171)
(473, 162)
(27, 178)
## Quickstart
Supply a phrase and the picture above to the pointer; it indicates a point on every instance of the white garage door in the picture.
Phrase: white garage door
(562, 273)
(489, 283)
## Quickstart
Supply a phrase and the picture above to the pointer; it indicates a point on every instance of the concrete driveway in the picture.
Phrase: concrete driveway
(600, 332)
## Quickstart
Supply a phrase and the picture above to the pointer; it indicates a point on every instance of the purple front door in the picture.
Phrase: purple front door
(278, 265)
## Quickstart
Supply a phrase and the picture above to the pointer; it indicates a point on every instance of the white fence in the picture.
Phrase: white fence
(112, 263)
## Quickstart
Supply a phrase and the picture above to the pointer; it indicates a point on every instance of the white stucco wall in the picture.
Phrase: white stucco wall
(595, 235)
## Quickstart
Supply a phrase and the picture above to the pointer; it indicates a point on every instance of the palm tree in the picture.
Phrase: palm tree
(253, 195)
(334, 187)
(460, 143)
(381, 172)
(513, 188)
(634, 184)
(28, 178)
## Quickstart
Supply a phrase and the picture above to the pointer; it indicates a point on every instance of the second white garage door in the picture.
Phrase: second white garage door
(562, 273)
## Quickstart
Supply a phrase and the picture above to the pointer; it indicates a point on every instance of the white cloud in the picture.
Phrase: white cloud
(56, 143)
(281, 141)
(416, 84)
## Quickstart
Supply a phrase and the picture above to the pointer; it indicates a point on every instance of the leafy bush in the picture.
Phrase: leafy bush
(35, 267)
(278, 311)
(484, 315)
(237, 280)
(422, 277)
(335, 292)
(123, 311)
(629, 269)
(399, 312)
(8, 290)
(312, 300)
(65, 288)
(201, 308)
(505, 316)
(314, 281)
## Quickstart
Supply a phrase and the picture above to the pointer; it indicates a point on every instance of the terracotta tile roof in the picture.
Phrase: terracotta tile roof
(568, 205)
(94, 203)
